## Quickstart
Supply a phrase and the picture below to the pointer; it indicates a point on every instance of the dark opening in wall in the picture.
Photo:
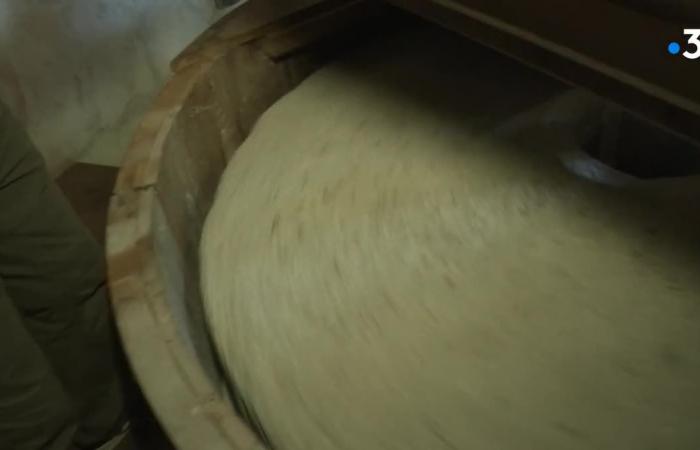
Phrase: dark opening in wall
(641, 149)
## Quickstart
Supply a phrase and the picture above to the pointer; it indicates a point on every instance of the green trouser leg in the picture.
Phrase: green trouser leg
(35, 411)
(54, 275)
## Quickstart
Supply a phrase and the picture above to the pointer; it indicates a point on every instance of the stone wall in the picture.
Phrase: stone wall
(80, 73)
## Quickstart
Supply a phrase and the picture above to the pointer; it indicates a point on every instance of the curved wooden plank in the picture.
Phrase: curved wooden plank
(161, 198)
(250, 21)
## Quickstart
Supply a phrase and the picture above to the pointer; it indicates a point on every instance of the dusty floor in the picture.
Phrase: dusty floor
(88, 188)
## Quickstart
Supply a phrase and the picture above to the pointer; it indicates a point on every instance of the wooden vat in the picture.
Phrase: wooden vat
(220, 85)
(165, 188)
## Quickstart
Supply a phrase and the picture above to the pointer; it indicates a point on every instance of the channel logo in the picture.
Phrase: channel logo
(692, 47)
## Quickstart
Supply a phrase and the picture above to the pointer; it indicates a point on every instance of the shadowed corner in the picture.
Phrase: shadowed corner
(88, 188)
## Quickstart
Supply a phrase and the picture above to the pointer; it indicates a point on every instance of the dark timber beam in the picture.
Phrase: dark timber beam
(615, 52)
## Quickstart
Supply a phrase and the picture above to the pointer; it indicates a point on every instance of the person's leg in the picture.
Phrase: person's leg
(54, 272)
(35, 411)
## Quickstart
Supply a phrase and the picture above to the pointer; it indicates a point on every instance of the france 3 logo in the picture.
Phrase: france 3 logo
(692, 48)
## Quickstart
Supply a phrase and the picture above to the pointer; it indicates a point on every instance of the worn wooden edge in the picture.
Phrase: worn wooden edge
(192, 412)
(613, 51)
(191, 409)
(196, 413)
(140, 165)
(251, 21)
(351, 18)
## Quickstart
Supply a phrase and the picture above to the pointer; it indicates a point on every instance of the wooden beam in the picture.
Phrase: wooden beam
(615, 52)
(678, 11)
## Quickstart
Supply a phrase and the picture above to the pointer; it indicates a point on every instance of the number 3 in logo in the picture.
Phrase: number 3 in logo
(693, 40)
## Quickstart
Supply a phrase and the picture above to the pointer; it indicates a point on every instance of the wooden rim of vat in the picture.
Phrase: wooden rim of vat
(263, 46)
(192, 411)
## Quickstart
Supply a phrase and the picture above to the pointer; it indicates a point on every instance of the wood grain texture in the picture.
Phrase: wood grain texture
(250, 21)
(163, 193)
